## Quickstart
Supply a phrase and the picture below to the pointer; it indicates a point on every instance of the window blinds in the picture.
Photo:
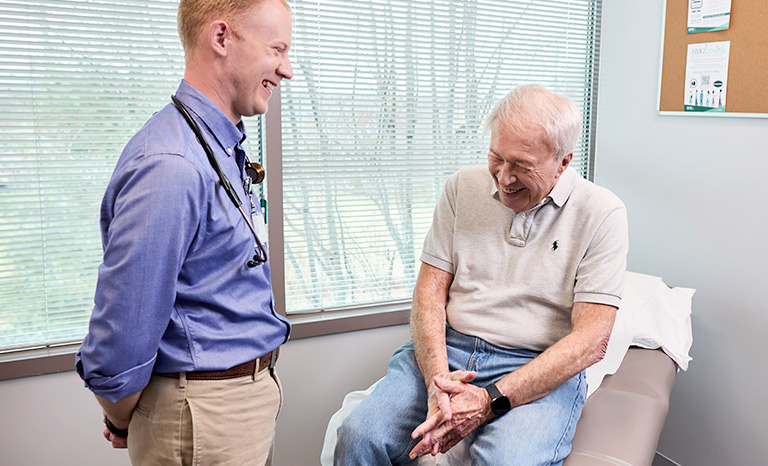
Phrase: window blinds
(77, 79)
(388, 99)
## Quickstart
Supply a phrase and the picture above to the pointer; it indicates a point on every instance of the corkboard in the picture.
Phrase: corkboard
(747, 66)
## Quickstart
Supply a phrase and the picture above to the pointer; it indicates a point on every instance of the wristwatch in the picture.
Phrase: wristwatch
(112, 428)
(499, 402)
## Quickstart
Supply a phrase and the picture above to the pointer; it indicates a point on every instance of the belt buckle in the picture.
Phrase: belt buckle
(273, 358)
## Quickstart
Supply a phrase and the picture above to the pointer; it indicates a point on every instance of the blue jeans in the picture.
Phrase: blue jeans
(378, 432)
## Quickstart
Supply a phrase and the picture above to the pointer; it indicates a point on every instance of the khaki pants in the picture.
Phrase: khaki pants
(206, 422)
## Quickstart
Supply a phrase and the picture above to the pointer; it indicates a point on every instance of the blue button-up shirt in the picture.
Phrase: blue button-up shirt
(174, 293)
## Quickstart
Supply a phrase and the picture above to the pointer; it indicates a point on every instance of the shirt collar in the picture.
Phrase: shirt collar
(227, 134)
(559, 194)
(564, 187)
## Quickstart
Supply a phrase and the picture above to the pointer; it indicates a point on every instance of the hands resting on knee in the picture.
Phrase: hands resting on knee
(456, 408)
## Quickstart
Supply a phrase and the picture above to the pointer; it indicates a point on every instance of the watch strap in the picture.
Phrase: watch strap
(493, 391)
(112, 428)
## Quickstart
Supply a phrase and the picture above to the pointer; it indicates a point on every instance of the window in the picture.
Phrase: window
(77, 80)
(388, 99)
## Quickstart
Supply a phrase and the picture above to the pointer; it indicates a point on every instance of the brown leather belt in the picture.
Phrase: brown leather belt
(241, 370)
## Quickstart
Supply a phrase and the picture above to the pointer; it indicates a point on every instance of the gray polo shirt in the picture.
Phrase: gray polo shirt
(517, 275)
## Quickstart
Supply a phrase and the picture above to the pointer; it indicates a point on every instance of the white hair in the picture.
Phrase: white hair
(533, 105)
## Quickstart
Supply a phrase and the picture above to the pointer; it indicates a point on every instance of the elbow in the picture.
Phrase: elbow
(598, 351)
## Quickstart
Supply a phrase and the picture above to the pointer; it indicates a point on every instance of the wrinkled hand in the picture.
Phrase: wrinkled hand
(117, 442)
(469, 408)
(439, 404)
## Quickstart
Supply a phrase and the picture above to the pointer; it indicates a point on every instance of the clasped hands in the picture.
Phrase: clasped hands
(116, 441)
(456, 408)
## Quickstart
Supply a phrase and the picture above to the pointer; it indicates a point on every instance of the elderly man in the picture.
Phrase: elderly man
(522, 274)
(183, 337)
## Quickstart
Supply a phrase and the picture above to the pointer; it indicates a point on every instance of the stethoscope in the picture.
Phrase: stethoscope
(254, 172)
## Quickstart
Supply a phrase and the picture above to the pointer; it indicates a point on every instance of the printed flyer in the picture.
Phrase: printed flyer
(706, 76)
(708, 15)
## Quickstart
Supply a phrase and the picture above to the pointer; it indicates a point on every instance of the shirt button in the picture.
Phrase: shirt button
(524, 215)
(229, 151)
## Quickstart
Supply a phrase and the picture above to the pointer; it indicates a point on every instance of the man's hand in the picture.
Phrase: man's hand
(469, 408)
(119, 414)
(117, 442)
(439, 403)
(439, 400)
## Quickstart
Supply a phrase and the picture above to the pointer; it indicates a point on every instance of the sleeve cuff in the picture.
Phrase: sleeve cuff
(116, 387)
(597, 298)
(437, 262)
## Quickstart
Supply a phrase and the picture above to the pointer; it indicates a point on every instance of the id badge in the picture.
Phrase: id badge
(259, 226)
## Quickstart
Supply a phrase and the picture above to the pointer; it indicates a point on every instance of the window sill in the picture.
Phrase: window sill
(349, 320)
(62, 359)
(37, 362)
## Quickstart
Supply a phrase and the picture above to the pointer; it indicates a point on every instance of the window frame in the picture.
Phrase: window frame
(316, 323)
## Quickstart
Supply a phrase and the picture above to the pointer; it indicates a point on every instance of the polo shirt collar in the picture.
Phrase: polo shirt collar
(227, 134)
(564, 187)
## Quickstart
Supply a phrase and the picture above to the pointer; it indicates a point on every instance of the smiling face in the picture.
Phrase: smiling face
(258, 57)
(523, 166)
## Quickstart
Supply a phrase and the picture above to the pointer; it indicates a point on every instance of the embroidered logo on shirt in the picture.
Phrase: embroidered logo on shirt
(554, 245)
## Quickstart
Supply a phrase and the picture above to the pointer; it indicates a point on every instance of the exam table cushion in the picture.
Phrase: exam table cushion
(621, 422)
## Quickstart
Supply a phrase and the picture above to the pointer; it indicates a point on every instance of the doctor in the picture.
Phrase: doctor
(184, 337)
(522, 273)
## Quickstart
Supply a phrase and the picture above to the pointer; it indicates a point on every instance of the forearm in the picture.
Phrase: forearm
(584, 346)
(120, 412)
(428, 321)
(428, 331)
(543, 374)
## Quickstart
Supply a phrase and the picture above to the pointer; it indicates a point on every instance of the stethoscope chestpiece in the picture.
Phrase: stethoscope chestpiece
(255, 172)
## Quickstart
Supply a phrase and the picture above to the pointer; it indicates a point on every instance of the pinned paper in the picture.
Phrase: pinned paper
(708, 15)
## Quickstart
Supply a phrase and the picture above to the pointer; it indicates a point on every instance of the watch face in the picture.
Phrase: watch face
(500, 405)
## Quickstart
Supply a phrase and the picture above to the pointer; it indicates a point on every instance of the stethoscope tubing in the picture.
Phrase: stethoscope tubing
(261, 258)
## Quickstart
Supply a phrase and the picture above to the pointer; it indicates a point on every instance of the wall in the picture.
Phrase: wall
(316, 374)
(694, 189)
(52, 419)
